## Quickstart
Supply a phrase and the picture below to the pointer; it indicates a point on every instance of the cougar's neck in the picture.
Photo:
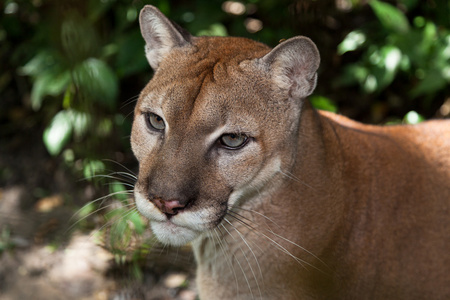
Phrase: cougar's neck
(318, 196)
(288, 229)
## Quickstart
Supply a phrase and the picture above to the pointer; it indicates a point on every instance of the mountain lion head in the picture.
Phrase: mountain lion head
(216, 123)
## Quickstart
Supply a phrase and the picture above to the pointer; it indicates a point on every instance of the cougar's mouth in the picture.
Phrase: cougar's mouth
(181, 228)
(169, 233)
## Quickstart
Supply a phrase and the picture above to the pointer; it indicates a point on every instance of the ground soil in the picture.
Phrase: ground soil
(43, 256)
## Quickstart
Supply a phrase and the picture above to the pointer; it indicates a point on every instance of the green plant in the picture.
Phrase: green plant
(414, 54)
(6, 242)
(76, 76)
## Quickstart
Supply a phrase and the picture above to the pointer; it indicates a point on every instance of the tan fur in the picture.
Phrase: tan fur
(314, 206)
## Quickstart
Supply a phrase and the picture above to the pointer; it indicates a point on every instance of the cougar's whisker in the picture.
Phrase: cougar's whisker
(227, 257)
(120, 165)
(102, 199)
(276, 244)
(290, 176)
(242, 269)
(111, 222)
(245, 256)
(256, 212)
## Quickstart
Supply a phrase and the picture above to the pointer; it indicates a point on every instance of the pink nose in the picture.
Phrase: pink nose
(170, 207)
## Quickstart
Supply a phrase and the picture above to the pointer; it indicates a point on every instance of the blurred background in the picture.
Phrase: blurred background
(70, 74)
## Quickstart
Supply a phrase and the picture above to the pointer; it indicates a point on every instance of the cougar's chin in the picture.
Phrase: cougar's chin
(170, 233)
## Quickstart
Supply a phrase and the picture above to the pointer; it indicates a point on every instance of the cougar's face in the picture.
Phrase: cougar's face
(201, 135)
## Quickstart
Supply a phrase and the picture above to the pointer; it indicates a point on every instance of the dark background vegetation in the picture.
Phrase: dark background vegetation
(70, 73)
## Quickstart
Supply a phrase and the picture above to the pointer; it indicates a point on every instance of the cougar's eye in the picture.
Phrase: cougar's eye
(155, 121)
(233, 140)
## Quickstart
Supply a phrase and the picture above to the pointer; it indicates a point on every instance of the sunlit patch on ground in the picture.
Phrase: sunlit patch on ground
(38, 262)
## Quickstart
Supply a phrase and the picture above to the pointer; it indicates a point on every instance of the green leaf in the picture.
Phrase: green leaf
(58, 133)
(92, 167)
(114, 214)
(371, 83)
(137, 272)
(352, 41)
(38, 92)
(353, 74)
(413, 117)
(80, 122)
(390, 17)
(386, 62)
(97, 82)
(48, 83)
(67, 99)
(433, 81)
(136, 219)
(120, 236)
(38, 64)
(392, 57)
(323, 103)
(118, 191)
(132, 14)
(104, 127)
(86, 210)
(215, 29)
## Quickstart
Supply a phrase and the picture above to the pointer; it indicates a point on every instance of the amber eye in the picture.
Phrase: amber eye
(155, 122)
(233, 140)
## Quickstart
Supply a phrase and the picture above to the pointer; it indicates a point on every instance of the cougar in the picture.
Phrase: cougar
(277, 199)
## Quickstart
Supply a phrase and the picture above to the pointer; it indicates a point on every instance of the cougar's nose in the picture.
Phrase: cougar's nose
(169, 207)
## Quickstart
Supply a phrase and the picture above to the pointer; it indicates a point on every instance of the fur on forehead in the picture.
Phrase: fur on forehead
(292, 64)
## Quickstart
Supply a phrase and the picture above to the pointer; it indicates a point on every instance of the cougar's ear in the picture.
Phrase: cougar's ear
(293, 65)
(160, 35)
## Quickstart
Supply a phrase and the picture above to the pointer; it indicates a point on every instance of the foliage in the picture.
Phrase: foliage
(394, 52)
(323, 103)
(76, 73)
(6, 243)
(421, 51)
